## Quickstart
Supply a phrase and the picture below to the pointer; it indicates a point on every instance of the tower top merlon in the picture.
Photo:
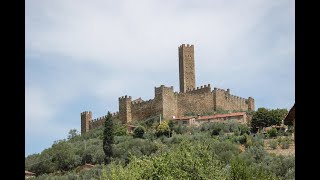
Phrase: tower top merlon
(186, 46)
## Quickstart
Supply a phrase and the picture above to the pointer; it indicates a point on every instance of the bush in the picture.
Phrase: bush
(254, 154)
(257, 141)
(216, 131)
(272, 132)
(285, 144)
(240, 139)
(279, 165)
(163, 129)
(244, 129)
(248, 140)
(240, 170)
(225, 150)
(138, 132)
(186, 161)
(273, 144)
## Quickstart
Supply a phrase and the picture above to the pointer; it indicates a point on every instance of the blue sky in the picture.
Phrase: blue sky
(83, 55)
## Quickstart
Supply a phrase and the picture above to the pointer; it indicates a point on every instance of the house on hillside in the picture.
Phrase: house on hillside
(240, 117)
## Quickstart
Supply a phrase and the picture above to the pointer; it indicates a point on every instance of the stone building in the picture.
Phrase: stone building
(239, 117)
(169, 103)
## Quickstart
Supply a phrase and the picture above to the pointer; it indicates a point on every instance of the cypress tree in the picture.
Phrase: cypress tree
(108, 138)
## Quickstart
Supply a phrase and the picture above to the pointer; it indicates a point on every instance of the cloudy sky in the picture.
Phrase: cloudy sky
(82, 55)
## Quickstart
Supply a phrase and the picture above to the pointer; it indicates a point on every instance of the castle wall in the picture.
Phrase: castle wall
(169, 102)
(98, 122)
(197, 101)
(224, 100)
(142, 110)
(87, 123)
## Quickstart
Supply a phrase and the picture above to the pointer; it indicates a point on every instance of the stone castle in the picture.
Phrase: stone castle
(174, 104)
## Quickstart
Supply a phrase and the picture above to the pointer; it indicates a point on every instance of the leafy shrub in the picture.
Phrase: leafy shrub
(254, 154)
(216, 131)
(279, 165)
(248, 140)
(240, 139)
(138, 132)
(186, 161)
(240, 170)
(272, 132)
(243, 129)
(119, 130)
(225, 150)
(290, 175)
(257, 141)
(285, 145)
(163, 129)
(236, 132)
(273, 144)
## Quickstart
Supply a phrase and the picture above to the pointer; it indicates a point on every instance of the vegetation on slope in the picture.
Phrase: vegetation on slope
(210, 151)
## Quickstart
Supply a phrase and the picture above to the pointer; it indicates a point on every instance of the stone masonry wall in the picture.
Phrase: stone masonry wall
(86, 117)
(141, 110)
(186, 67)
(125, 109)
(197, 101)
(224, 100)
(170, 105)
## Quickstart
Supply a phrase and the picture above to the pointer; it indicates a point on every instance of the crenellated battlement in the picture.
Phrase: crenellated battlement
(226, 91)
(115, 114)
(137, 104)
(86, 112)
(185, 46)
(100, 118)
(124, 98)
(160, 90)
(201, 89)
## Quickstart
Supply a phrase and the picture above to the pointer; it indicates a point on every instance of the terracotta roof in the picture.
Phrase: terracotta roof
(29, 173)
(183, 118)
(222, 115)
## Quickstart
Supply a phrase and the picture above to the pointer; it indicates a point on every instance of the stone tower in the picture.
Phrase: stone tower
(125, 109)
(186, 67)
(86, 118)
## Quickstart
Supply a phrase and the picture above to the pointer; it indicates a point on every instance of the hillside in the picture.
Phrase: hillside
(213, 150)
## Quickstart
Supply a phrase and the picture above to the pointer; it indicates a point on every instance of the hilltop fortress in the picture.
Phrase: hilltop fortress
(174, 104)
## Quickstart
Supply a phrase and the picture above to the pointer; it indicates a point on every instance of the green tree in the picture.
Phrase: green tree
(163, 129)
(108, 138)
(264, 117)
(138, 132)
(272, 132)
(72, 133)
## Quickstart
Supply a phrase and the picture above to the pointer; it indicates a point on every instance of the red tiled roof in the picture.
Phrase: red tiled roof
(183, 118)
(222, 115)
